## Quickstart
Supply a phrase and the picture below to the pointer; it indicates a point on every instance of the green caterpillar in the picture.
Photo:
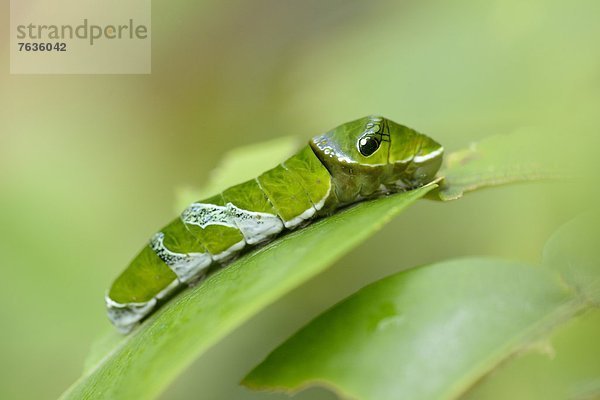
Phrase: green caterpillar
(358, 160)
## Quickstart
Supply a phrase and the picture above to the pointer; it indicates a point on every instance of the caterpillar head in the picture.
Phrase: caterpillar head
(373, 154)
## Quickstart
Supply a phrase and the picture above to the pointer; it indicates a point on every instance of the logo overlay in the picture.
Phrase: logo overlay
(80, 37)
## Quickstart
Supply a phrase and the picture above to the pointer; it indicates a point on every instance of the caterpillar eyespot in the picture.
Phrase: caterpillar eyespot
(368, 145)
(358, 160)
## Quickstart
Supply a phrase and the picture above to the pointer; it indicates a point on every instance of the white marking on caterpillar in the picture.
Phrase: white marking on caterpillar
(405, 161)
(255, 226)
(185, 266)
(126, 315)
(294, 222)
(428, 156)
(203, 215)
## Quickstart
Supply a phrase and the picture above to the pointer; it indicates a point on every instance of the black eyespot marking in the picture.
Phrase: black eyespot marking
(367, 145)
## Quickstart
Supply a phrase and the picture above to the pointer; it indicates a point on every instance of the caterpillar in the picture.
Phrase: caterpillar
(358, 160)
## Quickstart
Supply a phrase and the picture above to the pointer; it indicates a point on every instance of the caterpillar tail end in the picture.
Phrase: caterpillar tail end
(126, 316)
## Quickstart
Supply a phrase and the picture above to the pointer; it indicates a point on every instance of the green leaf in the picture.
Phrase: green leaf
(421, 334)
(573, 252)
(524, 155)
(434, 331)
(151, 357)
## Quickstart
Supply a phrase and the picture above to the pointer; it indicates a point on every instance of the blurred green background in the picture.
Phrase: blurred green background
(90, 165)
